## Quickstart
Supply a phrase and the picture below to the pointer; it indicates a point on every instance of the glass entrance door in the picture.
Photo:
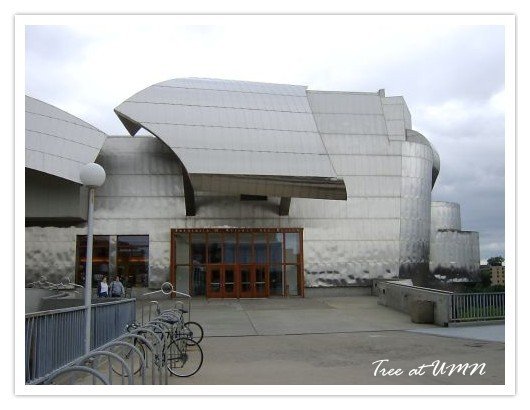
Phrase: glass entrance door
(221, 281)
(261, 282)
(214, 282)
(254, 281)
(229, 282)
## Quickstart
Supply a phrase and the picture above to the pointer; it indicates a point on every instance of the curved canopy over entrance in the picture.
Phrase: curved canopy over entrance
(237, 137)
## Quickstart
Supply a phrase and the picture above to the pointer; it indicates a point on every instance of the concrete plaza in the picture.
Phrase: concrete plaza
(335, 341)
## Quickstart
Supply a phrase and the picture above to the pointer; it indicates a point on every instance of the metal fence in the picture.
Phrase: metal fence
(55, 338)
(477, 306)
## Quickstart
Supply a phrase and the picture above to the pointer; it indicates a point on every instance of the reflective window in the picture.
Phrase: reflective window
(260, 247)
(276, 247)
(198, 248)
(238, 262)
(245, 248)
(275, 280)
(292, 247)
(230, 241)
(100, 259)
(132, 260)
(182, 248)
(215, 248)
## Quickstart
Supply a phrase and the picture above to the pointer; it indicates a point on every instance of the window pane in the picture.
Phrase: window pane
(245, 248)
(215, 246)
(291, 278)
(276, 247)
(198, 248)
(182, 248)
(230, 247)
(198, 280)
(275, 280)
(198, 259)
(292, 247)
(182, 278)
(133, 260)
(260, 247)
(100, 259)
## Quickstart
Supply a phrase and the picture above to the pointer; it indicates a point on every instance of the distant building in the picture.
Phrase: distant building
(497, 275)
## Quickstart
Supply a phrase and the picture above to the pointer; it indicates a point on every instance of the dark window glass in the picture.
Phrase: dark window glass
(260, 247)
(100, 259)
(275, 280)
(198, 260)
(132, 260)
(198, 248)
(215, 247)
(230, 247)
(276, 247)
(245, 248)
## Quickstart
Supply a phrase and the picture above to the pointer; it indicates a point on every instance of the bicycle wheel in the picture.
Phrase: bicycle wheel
(131, 359)
(184, 357)
(195, 331)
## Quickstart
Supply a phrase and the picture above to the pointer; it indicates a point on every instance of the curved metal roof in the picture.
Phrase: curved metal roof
(415, 136)
(58, 143)
(238, 137)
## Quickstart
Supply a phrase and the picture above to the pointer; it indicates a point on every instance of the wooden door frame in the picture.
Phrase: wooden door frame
(189, 231)
(208, 278)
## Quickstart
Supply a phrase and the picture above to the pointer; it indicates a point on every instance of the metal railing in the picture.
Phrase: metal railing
(477, 306)
(55, 338)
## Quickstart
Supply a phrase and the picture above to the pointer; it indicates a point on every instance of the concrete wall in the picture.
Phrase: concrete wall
(399, 297)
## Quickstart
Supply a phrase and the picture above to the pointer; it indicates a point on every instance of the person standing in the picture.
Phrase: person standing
(116, 288)
(103, 288)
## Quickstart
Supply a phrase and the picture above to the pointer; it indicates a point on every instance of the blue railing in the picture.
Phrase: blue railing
(55, 338)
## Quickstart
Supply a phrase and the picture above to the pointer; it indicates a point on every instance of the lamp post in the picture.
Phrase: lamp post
(92, 176)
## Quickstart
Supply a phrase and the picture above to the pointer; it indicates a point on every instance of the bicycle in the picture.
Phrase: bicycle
(179, 352)
(183, 355)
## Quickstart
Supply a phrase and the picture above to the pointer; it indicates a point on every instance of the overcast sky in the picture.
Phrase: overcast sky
(452, 78)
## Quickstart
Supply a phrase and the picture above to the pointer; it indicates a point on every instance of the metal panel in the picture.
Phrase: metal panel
(351, 124)
(455, 255)
(160, 94)
(360, 165)
(373, 186)
(232, 85)
(216, 132)
(415, 211)
(202, 137)
(352, 144)
(445, 215)
(58, 143)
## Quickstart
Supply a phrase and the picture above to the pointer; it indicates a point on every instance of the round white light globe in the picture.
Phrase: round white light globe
(92, 175)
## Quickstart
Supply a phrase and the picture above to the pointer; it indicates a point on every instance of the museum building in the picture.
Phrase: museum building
(242, 189)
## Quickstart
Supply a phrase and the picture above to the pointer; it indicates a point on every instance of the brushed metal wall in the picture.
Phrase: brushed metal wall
(383, 230)
(454, 254)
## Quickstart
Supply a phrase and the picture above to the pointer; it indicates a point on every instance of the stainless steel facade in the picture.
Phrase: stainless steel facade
(57, 143)
(222, 132)
(454, 254)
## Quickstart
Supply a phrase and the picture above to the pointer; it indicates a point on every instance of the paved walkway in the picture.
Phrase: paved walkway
(290, 316)
(333, 340)
(489, 333)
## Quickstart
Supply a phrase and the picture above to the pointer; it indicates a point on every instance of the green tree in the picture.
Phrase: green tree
(495, 261)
